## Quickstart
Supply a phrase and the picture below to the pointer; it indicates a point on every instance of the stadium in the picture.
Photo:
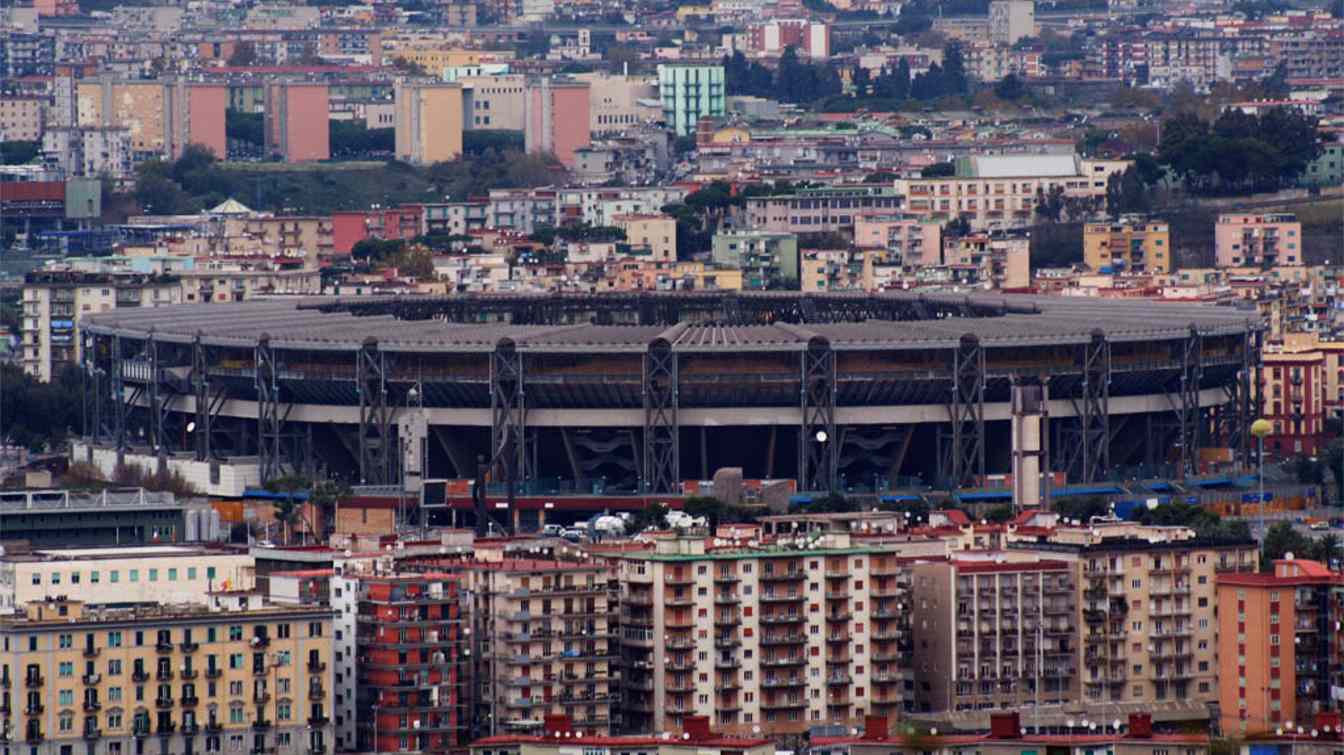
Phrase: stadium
(638, 392)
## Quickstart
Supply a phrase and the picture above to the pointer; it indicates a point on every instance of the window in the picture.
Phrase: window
(191, 572)
(67, 668)
(115, 575)
(93, 577)
(153, 575)
(67, 697)
(172, 575)
(134, 575)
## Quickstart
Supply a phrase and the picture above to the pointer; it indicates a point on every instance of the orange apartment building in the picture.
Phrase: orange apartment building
(909, 241)
(1262, 240)
(1277, 645)
(556, 118)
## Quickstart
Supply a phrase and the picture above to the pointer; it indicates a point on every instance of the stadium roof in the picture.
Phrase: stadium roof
(295, 323)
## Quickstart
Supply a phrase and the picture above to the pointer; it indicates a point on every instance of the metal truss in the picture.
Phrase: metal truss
(118, 399)
(508, 415)
(967, 410)
(1090, 456)
(1186, 405)
(818, 445)
(375, 416)
(662, 456)
(200, 389)
(723, 307)
(270, 420)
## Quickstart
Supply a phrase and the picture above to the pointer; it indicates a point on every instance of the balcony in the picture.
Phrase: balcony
(164, 648)
(167, 727)
(316, 667)
(318, 720)
(33, 680)
(214, 672)
(139, 676)
(91, 652)
(92, 706)
(317, 694)
(190, 728)
(213, 727)
(188, 647)
(92, 732)
(261, 697)
(164, 702)
(188, 673)
(164, 674)
(261, 641)
(91, 679)
(189, 701)
(261, 724)
(33, 709)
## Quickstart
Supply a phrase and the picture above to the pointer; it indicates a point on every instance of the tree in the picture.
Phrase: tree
(954, 70)
(19, 152)
(244, 55)
(1126, 193)
(938, 170)
(862, 81)
(289, 508)
(901, 80)
(537, 44)
(1050, 206)
(653, 515)
(1281, 539)
(1010, 88)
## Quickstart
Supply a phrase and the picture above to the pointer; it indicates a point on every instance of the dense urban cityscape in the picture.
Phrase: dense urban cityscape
(718, 377)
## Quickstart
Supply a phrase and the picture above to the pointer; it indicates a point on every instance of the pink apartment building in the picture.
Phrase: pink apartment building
(297, 116)
(556, 117)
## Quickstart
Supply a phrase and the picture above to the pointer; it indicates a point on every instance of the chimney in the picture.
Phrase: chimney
(558, 723)
(1141, 725)
(697, 727)
(1328, 723)
(875, 727)
(1005, 726)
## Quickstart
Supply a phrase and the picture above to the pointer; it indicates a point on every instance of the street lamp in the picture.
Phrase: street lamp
(1260, 428)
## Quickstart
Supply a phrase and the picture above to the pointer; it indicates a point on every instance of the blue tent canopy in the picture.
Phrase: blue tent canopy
(262, 494)
(986, 495)
(1086, 490)
(900, 498)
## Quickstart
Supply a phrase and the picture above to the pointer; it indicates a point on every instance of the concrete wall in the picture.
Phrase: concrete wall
(206, 105)
(233, 478)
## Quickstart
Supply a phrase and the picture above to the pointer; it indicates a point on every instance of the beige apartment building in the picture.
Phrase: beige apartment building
(428, 122)
(908, 240)
(54, 302)
(22, 118)
(544, 645)
(494, 103)
(767, 641)
(1149, 630)
(995, 630)
(657, 233)
(121, 576)
(997, 261)
(1263, 240)
(1130, 244)
(1003, 191)
(167, 679)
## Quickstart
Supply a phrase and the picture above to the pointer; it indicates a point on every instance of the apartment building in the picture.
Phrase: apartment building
(827, 208)
(833, 270)
(998, 261)
(429, 121)
(54, 302)
(690, 92)
(1295, 397)
(122, 575)
(555, 115)
(1150, 634)
(167, 678)
(400, 665)
(22, 118)
(1278, 632)
(908, 240)
(1003, 191)
(1261, 240)
(542, 639)
(494, 103)
(657, 233)
(1130, 244)
(765, 641)
(297, 121)
(764, 258)
(995, 631)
